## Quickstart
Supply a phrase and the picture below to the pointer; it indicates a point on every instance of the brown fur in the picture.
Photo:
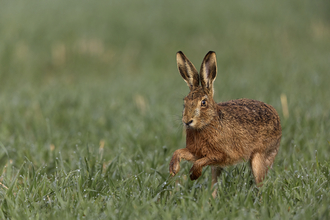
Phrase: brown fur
(226, 133)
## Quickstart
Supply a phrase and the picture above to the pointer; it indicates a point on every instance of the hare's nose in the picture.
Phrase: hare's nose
(189, 122)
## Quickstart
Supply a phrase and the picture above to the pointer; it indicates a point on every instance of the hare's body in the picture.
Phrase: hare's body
(240, 129)
(225, 133)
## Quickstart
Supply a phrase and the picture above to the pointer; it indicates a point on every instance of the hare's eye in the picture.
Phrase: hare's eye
(203, 103)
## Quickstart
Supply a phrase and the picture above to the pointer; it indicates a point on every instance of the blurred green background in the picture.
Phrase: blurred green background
(77, 75)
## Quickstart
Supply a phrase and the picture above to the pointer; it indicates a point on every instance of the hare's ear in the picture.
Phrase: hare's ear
(208, 71)
(187, 70)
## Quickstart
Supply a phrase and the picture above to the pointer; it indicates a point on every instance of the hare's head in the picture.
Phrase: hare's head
(199, 106)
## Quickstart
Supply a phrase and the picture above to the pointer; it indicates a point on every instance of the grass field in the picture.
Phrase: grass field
(91, 101)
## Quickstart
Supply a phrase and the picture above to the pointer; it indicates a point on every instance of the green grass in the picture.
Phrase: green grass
(91, 100)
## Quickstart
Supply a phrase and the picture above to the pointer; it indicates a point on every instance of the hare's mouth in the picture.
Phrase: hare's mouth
(189, 123)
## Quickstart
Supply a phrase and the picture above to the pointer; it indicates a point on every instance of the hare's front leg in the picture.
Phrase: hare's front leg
(196, 170)
(176, 158)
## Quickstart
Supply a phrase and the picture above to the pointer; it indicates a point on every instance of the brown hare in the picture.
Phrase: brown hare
(226, 133)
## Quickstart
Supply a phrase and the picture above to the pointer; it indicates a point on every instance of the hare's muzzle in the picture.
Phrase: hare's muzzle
(189, 123)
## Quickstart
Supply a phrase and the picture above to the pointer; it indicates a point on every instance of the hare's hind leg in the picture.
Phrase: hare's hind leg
(272, 152)
(262, 162)
(216, 171)
(258, 167)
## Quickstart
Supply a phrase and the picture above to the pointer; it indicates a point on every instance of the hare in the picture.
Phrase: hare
(226, 133)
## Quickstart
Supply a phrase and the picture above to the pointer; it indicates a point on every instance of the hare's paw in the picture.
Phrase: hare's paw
(195, 172)
(174, 166)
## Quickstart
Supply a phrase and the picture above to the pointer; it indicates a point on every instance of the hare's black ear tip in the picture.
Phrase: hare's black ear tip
(180, 55)
(210, 52)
